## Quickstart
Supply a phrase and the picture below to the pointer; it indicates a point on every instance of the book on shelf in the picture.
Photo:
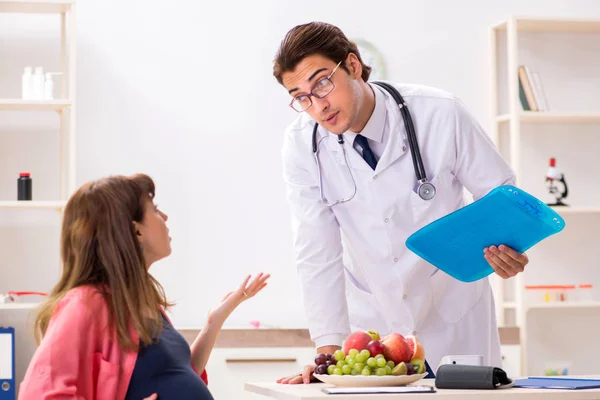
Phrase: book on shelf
(531, 91)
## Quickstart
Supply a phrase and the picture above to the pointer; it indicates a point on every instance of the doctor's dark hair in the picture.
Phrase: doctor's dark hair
(315, 38)
(100, 248)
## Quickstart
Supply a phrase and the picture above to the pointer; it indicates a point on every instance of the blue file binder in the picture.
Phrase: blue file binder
(557, 383)
(7, 364)
(506, 215)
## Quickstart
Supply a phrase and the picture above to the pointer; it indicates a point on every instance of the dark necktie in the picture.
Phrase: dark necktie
(367, 153)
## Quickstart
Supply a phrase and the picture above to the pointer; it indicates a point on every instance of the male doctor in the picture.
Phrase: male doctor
(353, 210)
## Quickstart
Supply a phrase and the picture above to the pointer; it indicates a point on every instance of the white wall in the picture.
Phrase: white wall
(183, 91)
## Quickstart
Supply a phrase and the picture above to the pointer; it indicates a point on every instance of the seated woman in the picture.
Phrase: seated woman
(103, 332)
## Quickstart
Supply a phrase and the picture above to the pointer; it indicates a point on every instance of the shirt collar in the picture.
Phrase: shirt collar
(373, 130)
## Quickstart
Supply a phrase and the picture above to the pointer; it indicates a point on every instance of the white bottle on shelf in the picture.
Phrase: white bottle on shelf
(38, 84)
(27, 84)
(49, 85)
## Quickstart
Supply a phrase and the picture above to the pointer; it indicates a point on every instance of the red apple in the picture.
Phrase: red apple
(356, 340)
(375, 347)
(396, 349)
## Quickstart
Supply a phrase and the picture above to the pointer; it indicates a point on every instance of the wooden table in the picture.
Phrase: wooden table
(313, 392)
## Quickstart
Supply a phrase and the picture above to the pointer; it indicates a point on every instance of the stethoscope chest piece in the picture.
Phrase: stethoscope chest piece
(426, 191)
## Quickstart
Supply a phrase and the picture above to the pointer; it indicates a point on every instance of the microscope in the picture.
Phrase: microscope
(555, 179)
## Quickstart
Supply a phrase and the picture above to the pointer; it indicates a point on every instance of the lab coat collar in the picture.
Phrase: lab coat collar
(397, 144)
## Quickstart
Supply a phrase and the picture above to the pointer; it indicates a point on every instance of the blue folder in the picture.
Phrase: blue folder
(557, 383)
(506, 215)
(7, 364)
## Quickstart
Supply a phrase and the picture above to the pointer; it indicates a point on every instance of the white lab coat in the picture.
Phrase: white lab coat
(355, 270)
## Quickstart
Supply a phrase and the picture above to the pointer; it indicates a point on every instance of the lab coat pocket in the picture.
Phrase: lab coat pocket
(106, 378)
(453, 299)
(363, 311)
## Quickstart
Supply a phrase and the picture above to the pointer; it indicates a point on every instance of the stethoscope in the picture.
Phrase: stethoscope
(426, 190)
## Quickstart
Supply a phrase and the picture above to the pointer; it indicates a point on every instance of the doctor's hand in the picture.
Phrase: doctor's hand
(505, 261)
(306, 376)
(153, 396)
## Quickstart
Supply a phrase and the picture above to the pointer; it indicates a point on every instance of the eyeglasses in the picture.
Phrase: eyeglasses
(323, 87)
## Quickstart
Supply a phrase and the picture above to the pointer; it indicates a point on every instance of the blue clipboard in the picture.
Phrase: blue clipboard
(7, 364)
(506, 215)
(557, 383)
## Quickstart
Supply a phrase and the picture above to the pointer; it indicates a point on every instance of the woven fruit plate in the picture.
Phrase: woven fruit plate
(364, 381)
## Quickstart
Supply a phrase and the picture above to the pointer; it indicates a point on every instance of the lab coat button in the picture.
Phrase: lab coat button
(375, 176)
(405, 296)
(396, 259)
(387, 220)
(403, 148)
(414, 333)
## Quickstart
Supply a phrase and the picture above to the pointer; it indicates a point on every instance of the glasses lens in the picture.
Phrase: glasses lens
(301, 103)
(323, 88)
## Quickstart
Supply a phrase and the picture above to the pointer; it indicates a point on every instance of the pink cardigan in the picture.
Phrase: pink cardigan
(78, 358)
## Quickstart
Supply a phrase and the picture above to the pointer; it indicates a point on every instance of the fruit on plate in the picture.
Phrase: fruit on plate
(417, 349)
(396, 349)
(356, 340)
(400, 369)
(418, 366)
(363, 354)
(339, 355)
(321, 359)
(374, 334)
(376, 366)
(321, 369)
(375, 347)
(413, 367)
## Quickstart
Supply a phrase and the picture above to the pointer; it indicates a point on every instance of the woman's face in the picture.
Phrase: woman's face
(153, 233)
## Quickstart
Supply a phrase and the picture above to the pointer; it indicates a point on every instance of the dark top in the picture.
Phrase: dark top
(165, 368)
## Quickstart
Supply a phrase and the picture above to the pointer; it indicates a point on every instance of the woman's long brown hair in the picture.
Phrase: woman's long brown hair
(99, 247)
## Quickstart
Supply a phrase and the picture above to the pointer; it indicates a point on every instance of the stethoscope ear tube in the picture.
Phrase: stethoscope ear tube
(410, 131)
(420, 169)
(314, 138)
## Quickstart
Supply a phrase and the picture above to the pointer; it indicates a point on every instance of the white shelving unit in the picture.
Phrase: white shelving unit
(64, 106)
(508, 116)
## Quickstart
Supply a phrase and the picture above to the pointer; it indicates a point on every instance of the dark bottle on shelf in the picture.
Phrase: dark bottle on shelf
(24, 186)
